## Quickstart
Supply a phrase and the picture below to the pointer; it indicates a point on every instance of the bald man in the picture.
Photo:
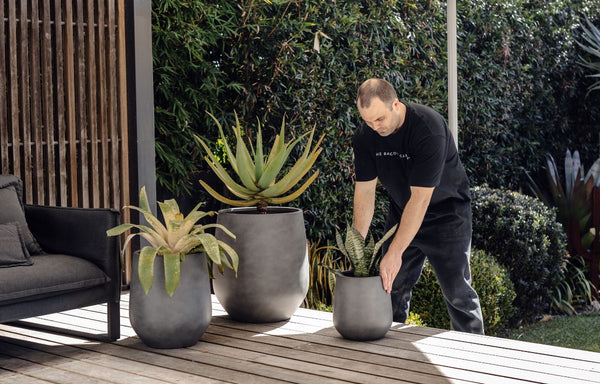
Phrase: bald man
(409, 149)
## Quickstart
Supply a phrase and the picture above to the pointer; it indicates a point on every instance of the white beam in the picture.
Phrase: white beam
(452, 71)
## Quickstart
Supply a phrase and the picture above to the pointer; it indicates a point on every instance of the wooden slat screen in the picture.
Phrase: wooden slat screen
(63, 102)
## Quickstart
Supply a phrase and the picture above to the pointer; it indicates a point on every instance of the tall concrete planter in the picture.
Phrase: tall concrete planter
(273, 275)
(362, 310)
(172, 322)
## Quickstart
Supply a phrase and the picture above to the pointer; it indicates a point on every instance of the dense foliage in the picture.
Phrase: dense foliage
(520, 91)
(523, 235)
(491, 282)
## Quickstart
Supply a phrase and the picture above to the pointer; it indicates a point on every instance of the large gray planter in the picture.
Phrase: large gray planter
(273, 276)
(362, 310)
(172, 322)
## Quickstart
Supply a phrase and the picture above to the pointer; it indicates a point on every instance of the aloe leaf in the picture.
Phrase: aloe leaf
(235, 188)
(228, 151)
(245, 167)
(223, 199)
(258, 158)
(298, 192)
(274, 149)
(146, 267)
(273, 166)
(295, 174)
(172, 267)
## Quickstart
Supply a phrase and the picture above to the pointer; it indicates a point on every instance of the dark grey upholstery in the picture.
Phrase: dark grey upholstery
(49, 275)
(80, 266)
(13, 250)
(11, 204)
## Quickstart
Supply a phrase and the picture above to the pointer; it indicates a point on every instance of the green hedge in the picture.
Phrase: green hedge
(519, 87)
(523, 235)
(490, 281)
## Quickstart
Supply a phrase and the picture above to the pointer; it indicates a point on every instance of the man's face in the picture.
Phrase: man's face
(380, 117)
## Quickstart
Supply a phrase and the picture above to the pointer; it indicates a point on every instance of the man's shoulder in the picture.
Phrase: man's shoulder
(424, 116)
(362, 134)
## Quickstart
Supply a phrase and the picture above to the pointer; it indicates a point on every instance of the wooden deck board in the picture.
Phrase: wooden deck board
(305, 349)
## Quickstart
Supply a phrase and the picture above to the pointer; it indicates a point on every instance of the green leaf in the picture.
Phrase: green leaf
(172, 267)
(146, 267)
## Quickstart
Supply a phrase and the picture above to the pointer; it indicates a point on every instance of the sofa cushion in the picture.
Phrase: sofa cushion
(49, 275)
(11, 210)
(13, 251)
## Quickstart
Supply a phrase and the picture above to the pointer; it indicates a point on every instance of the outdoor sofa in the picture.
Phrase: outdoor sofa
(54, 259)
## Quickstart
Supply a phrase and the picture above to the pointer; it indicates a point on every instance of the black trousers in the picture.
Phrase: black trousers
(449, 258)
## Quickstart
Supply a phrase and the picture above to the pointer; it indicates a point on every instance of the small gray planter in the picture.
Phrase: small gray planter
(172, 322)
(273, 276)
(362, 310)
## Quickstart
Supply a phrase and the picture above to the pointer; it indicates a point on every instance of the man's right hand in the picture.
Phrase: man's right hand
(388, 269)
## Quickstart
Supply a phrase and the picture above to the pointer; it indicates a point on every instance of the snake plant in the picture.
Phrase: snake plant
(258, 174)
(363, 257)
(180, 236)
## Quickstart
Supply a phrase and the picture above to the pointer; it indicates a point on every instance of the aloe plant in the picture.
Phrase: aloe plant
(178, 237)
(362, 256)
(258, 173)
(591, 45)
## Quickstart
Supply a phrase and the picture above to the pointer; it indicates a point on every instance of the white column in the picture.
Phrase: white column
(452, 71)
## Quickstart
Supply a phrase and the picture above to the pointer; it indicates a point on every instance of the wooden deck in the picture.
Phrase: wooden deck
(306, 349)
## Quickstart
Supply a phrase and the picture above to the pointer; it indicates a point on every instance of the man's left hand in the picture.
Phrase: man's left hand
(388, 269)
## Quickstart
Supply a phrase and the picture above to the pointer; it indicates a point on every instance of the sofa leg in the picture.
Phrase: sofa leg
(114, 320)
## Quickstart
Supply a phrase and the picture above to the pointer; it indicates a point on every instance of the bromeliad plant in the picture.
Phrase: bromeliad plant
(178, 237)
(362, 257)
(258, 173)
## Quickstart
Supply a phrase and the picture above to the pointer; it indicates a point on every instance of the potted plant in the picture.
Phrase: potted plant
(362, 310)
(170, 306)
(271, 241)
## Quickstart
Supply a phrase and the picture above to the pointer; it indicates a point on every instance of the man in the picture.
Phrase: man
(410, 150)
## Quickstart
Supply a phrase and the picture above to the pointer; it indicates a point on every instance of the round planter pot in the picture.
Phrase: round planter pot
(172, 322)
(272, 276)
(362, 310)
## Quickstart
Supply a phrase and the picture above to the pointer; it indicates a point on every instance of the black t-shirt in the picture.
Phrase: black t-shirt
(421, 153)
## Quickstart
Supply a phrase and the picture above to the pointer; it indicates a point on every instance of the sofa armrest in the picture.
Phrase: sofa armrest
(78, 232)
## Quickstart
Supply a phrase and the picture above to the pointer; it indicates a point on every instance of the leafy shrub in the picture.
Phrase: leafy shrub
(523, 235)
(491, 282)
(537, 101)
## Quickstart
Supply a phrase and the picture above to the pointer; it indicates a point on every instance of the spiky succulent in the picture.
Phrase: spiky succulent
(363, 257)
(591, 45)
(260, 184)
(178, 237)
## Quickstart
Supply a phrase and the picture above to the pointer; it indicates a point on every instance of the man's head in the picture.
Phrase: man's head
(379, 106)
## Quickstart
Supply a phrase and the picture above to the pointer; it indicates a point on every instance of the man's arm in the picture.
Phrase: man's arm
(410, 222)
(364, 205)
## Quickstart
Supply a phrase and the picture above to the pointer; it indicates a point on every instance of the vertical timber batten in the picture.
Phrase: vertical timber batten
(63, 101)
